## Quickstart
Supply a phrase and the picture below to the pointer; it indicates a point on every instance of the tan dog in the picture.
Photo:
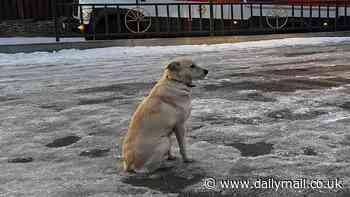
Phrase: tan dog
(163, 112)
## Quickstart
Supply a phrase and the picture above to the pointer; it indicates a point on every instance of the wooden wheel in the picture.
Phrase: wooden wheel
(137, 20)
(277, 18)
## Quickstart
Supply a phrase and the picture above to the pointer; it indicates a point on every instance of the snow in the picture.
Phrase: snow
(105, 55)
(35, 40)
(292, 93)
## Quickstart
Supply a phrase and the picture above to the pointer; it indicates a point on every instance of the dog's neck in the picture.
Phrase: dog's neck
(190, 85)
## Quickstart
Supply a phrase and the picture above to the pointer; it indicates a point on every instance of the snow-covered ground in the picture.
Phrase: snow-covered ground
(277, 108)
(35, 40)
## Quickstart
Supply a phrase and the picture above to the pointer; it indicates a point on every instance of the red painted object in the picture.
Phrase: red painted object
(285, 2)
(318, 2)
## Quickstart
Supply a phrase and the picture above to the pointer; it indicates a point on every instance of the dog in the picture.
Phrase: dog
(163, 112)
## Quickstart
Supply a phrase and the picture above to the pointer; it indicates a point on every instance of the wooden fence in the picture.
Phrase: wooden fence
(31, 9)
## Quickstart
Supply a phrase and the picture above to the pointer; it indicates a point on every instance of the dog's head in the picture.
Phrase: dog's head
(185, 70)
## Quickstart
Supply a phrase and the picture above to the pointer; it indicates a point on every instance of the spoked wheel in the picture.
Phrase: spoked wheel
(277, 18)
(137, 20)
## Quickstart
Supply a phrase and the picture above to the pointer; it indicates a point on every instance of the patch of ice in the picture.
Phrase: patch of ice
(247, 91)
(337, 118)
(338, 88)
(228, 108)
(302, 110)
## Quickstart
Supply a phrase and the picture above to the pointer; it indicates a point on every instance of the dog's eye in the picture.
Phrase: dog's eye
(193, 66)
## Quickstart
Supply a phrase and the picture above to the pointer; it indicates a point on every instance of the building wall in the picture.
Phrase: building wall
(32, 9)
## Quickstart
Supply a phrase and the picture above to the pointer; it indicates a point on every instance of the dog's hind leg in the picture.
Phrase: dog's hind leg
(158, 157)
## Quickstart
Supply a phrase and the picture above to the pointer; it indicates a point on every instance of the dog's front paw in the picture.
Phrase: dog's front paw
(171, 158)
(187, 160)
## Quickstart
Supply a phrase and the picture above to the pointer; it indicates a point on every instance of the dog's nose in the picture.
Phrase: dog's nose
(206, 71)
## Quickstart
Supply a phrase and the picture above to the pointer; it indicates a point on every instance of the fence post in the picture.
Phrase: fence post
(211, 19)
(20, 10)
(54, 12)
(336, 17)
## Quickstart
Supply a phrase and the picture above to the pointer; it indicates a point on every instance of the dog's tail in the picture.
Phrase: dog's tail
(127, 167)
(128, 158)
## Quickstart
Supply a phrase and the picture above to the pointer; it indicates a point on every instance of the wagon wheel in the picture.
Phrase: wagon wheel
(277, 18)
(137, 20)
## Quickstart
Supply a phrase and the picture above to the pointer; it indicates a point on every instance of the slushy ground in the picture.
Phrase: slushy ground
(274, 110)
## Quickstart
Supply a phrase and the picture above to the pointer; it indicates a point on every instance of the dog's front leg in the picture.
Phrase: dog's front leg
(180, 132)
(171, 157)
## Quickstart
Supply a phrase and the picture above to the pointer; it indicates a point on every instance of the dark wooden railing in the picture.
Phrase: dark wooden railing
(109, 21)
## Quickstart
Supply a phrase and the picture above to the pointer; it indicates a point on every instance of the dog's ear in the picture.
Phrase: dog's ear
(173, 66)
